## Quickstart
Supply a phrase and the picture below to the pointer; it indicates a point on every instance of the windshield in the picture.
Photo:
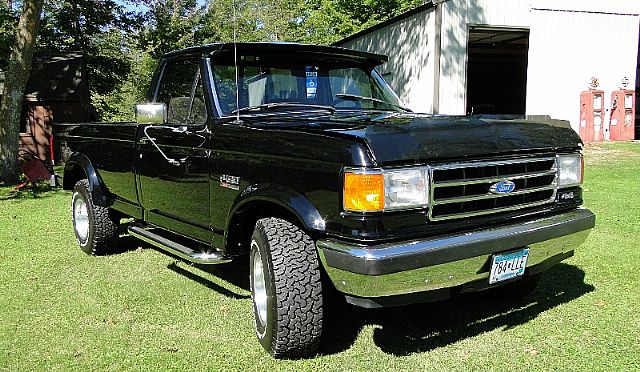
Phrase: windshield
(276, 81)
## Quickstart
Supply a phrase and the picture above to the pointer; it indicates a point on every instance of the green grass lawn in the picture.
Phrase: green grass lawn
(63, 310)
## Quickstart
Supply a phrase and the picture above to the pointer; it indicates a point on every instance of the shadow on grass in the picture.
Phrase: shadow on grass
(415, 328)
(419, 328)
(128, 243)
(39, 191)
(236, 272)
(224, 273)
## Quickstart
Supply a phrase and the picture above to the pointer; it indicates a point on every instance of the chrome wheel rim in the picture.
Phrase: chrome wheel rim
(81, 218)
(259, 286)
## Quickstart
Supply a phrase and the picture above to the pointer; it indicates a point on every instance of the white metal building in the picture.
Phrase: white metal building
(529, 57)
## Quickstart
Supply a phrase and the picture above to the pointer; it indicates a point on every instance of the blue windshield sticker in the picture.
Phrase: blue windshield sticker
(312, 81)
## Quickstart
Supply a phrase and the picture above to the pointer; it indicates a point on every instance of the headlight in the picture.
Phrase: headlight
(368, 191)
(405, 189)
(569, 170)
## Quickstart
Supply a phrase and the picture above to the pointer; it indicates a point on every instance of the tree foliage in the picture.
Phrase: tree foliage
(366, 13)
(75, 24)
(8, 22)
(172, 24)
(122, 39)
(96, 28)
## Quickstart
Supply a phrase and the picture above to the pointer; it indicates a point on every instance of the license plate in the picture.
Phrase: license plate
(508, 266)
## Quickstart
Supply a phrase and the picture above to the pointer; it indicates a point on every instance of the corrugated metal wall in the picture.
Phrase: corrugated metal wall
(567, 48)
(570, 41)
(409, 45)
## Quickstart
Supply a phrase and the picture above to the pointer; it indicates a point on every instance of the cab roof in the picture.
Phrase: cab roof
(278, 47)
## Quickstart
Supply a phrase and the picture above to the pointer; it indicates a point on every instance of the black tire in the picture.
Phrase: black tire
(287, 301)
(95, 227)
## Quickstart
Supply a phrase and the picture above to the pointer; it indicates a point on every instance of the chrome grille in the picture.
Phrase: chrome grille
(462, 189)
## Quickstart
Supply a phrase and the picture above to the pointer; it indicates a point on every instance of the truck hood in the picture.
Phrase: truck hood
(413, 138)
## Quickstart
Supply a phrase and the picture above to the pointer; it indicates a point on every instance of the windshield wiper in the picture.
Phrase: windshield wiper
(270, 106)
(355, 97)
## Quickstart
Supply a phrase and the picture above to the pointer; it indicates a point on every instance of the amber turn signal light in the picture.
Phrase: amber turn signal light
(363, 192)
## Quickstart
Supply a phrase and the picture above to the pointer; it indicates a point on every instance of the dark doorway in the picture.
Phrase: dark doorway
(497, 70)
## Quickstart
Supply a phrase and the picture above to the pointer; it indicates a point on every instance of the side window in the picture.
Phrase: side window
(181, 90)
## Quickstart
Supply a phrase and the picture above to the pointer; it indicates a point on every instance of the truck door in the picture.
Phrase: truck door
(173, 159)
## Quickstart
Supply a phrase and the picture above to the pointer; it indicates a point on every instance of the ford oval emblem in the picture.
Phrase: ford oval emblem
(502, 187)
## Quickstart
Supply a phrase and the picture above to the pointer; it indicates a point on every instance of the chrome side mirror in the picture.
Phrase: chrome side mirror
(151, 113)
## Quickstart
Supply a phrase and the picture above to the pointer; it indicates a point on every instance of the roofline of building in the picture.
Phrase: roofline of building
(399, 17)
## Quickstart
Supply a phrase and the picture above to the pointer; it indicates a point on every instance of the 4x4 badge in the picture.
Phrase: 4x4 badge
(502, 187)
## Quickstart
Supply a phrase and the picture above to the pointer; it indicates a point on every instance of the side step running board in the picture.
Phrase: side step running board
(177, 249)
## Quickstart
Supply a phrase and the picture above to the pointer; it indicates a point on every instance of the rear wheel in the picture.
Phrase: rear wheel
(286, 289)
(96, 227)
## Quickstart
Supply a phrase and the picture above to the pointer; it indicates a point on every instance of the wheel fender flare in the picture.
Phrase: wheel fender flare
(96, 184)
(289, 199)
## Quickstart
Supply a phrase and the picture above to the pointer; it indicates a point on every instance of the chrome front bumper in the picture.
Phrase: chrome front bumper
(449, 261)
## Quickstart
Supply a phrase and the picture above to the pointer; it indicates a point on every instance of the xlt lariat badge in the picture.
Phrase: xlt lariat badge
(230, 182)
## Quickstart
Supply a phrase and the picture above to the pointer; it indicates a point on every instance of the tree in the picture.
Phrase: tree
(255, 20)
(171, 25)
(15, 82)
(122, 39)
(367, 13)
(75, 24)
(102, 30)
(327, 21)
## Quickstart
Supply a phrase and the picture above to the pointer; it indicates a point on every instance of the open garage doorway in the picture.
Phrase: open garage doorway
(497, 70)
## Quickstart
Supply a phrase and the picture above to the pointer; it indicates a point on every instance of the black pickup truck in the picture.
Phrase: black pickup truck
(303, 158)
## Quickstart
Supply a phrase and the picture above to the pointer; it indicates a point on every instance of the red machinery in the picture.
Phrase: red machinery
(623, 113)
(592, 114)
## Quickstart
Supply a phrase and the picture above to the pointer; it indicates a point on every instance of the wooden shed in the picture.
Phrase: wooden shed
(57, 90)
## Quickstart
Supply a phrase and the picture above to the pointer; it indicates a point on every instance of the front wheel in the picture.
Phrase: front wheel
(95, 227)
(286, 289)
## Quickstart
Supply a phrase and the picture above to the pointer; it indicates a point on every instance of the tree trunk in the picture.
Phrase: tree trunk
(77, 28)
(16, 78)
